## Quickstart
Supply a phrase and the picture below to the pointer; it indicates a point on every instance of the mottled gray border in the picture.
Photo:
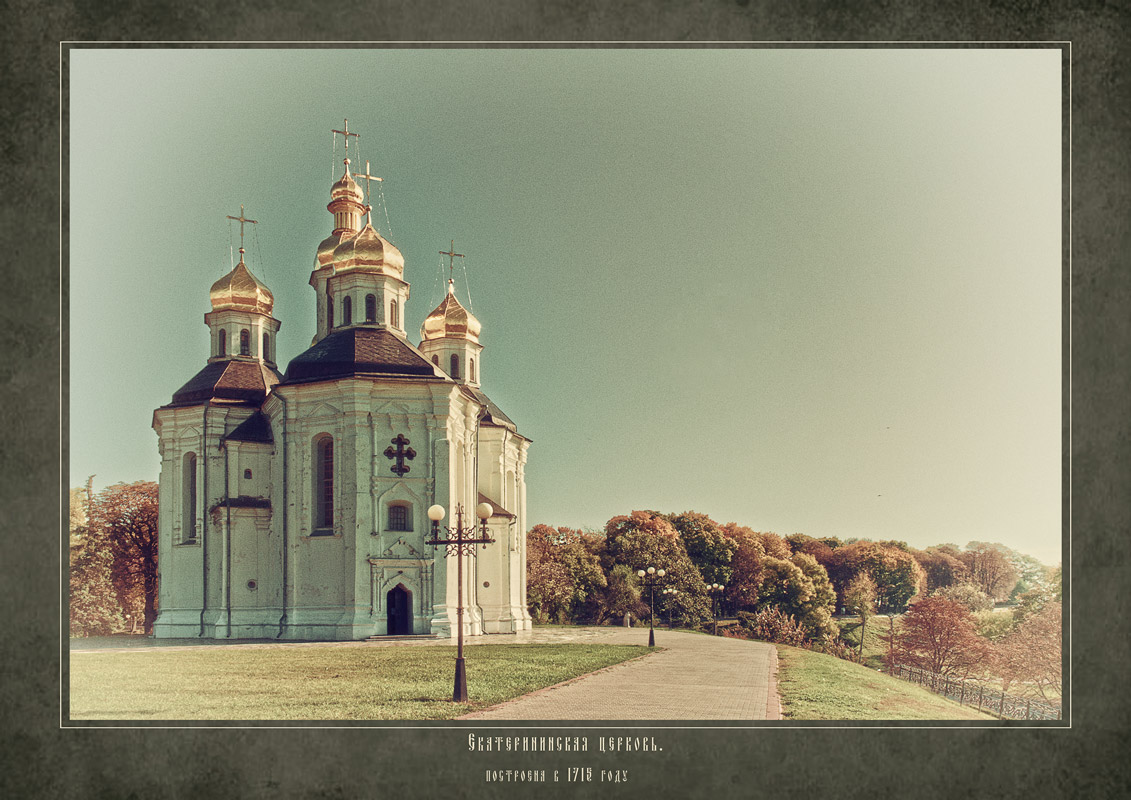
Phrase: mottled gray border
(41, 760)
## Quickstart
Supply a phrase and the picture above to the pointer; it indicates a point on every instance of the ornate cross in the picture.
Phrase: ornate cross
(452, 256)
(400, 454)
(368, 195)
(241, 219)
(346, 134)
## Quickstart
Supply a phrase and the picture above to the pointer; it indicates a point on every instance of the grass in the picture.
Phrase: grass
(875, 648)
(320, 683)
(818, 686)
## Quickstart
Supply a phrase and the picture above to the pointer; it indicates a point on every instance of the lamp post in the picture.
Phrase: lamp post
(715, 590)
(671, 592)
(458, 542)
(654, 579)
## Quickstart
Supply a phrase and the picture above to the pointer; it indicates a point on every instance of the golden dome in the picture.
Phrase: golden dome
(452, 320)
(239, 290)
(368, 251)
(346, 188)
(325, 252)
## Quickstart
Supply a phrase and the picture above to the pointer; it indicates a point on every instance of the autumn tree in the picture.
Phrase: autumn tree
(708, 547)
(745, 566)
(123, 523)
(800, 588)
(94, 607)
(894, 571)
(990, 568)
(645, 539)
(967, 595)
(1031, 653)
(938, 635)
(563, 573)
(860, 598)
(942, 567)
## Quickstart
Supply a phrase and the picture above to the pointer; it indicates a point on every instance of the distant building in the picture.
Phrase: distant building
(294, 505)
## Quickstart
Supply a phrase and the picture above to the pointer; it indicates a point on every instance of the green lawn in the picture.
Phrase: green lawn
(818, 686)
(875, 648)
(322, 683)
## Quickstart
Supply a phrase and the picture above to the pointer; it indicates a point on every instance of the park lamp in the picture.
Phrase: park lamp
(458, 542)
(655, 577)
(715, 589)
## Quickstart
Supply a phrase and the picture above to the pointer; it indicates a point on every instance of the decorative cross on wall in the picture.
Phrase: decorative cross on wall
(400, 454)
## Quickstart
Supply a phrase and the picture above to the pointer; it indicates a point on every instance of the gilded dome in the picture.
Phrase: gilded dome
(368, 251)
(347, 188)
(452, 320)
(325, 252)
(239, 290)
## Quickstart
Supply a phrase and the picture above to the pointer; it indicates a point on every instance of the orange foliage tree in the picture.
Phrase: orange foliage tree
(123, 523)
(939, 635)
(1031, 653)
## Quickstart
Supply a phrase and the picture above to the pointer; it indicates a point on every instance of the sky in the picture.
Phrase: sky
(805, 290)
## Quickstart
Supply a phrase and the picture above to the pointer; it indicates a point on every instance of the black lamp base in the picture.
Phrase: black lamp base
(460, 693)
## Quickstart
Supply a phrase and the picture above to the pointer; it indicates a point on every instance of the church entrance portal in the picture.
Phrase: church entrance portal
(399, 603)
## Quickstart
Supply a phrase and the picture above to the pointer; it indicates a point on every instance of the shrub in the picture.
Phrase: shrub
(773, 625)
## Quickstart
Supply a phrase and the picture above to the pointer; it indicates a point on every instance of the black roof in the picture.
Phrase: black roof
(232, 380)
(256, 428)
(358, 351)
(495, 415)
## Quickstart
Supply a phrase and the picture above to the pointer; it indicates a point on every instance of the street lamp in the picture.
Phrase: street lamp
(458, 542)
(715, 589)
(654, 579)
(671, 592)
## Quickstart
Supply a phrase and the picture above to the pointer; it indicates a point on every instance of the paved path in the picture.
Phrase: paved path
(689, 676)
(694, 677)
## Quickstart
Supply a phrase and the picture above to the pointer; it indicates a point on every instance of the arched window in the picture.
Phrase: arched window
(400, 517)
(436, 360)
(188, 529)
(222, 343)
(347, 310)
(370, 308)
(323, 482)
(329, 312)
(454, 371)
(471, 369)
(245, 343)
(394, 315)
(266, 347)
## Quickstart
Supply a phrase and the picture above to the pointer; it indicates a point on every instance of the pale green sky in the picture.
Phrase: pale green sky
(808, 291)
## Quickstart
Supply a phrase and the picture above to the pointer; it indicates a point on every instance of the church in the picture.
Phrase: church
(293, 504)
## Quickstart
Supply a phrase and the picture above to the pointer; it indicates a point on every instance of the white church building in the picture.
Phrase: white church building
(293, 504)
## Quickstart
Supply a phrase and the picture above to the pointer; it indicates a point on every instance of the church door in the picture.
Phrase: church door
(399, 603)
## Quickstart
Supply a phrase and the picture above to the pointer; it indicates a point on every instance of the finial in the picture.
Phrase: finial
(242, 219)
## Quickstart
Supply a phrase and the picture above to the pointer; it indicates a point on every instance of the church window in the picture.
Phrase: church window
(247, 474)
(400, 517)
(267, 347)
(436, 360)
(329, 312)
(394, 315)
(324, 482)
(347, 311)
(222, 343)
(188, 532)
(454, 371)
(245, 343)
(370, 308)
(471, 369)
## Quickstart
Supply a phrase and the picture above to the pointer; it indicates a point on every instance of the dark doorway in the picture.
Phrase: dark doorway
(399, 603)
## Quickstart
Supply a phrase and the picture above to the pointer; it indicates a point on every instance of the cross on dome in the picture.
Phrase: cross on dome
(345, 132)
(368, 194)
(242, 219)
(452, 256)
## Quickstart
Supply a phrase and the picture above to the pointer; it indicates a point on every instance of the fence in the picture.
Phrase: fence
(1005, 706)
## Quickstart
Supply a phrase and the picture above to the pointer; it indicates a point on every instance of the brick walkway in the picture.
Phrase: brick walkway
(689, 676)
(694, 677)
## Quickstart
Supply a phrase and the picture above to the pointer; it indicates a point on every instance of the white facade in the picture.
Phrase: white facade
(294, 506)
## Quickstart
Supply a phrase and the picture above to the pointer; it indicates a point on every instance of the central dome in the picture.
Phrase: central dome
(367, 252)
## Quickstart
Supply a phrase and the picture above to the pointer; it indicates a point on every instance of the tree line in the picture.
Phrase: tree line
(939, 601)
